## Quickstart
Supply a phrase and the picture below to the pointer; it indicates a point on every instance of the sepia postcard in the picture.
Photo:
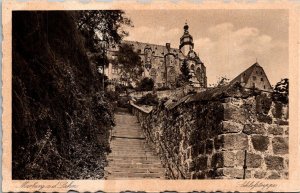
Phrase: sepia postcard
(150, 96)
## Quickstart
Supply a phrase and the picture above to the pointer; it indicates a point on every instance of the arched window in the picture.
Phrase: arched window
(192, 67)
(198, 74)
(153, 73)
(171, 75)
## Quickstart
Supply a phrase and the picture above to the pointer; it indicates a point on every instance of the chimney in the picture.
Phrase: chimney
(168, 45)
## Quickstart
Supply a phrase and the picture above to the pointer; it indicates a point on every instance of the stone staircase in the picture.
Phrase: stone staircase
(131, 157)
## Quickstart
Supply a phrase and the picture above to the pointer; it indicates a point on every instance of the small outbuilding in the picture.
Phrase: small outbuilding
(254, 77)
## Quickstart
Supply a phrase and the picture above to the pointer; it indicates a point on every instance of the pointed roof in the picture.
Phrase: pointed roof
(245, 75)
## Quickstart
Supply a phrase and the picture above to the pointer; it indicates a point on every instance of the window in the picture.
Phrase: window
(192, 67)
(261, 73)
(264, 87)
(253, 84)
(262, 79)
(254, 77)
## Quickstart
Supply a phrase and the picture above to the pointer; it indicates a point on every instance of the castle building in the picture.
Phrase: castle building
(254, 77)
(163, 63)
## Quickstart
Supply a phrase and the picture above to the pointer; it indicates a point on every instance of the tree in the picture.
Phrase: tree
(146, 84)
(185, 71)
(185, 75)
(222, 81)
(281, 91)
(98, 26)
(130, 64)
(101, 29)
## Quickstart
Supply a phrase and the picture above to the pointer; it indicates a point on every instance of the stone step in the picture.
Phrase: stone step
(121, 142)
(133, 159)
(137, 175)
(131, 178)
(134, 162)
(131, 150)
(127, 165)
(135, 170)
(129, 146)
(125, 133)
(133, 140)
(132, 154)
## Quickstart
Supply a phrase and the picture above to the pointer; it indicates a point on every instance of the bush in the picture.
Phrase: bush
(112, 96)
(146, 84)
(281, 91)
(123, 102)
(148, 99)
(163, 88)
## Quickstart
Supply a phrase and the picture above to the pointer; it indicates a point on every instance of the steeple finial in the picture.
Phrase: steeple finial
(186, 27)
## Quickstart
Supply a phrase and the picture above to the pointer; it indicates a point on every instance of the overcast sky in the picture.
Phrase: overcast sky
(228, 41)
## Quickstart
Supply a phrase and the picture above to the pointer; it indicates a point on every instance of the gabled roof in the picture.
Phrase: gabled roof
(245, 75)
(248, 73)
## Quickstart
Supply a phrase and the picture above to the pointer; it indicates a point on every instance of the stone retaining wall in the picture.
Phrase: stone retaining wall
(208, 139)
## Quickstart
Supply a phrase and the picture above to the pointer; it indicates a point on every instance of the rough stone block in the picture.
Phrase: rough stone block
(223, 159)
(274, 163)
(198, 175)
(235, 113)
(233, 173)
(198, 149)
(260, 174)
(235, 141)
(260, 143)
(199, 163)
(218, 142)
(209, 146)
(281, 122)
(275, 130)
(254, 129)
(280, 145)
(264, 118)
(231, 127)
(286, 130)
(252, 160)
(274, 175)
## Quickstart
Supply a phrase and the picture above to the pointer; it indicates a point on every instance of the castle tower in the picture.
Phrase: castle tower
(186, 41)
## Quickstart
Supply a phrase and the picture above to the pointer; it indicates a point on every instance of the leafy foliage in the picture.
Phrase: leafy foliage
(146, 84)
(222, 81)
(61, 121)
(100, 26)
(130, 64)
(185, 75)
(281, 91)
(148, 99)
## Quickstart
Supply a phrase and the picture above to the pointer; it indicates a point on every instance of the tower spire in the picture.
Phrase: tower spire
(186, 27)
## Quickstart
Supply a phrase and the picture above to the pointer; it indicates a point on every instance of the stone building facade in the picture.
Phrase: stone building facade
(163, 63)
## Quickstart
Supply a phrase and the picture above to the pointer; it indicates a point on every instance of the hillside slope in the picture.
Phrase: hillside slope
(60, 119)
